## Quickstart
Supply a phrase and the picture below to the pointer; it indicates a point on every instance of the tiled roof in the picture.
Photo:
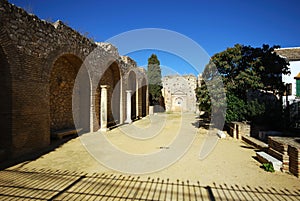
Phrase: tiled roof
(292, 54)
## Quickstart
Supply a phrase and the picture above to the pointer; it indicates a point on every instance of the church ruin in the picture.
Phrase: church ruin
(39, 65)
(179, 93)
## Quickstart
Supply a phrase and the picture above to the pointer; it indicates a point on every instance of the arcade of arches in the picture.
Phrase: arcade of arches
(39, 92)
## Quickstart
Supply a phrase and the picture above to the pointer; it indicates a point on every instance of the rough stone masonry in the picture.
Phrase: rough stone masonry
(39, 62)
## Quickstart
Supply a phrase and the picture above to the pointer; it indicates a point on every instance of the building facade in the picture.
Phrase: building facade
(179, 93)
(293, 56)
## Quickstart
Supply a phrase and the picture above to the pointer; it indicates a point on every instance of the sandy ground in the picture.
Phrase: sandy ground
(231, 162)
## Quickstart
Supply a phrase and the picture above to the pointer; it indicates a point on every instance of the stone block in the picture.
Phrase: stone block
(263, 157)
(221, 134)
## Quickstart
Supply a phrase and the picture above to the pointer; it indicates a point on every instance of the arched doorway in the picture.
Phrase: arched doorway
(178, 104)
(144, 97)
(5, 107)
(110, 78)
(62, 86)
(132, 87)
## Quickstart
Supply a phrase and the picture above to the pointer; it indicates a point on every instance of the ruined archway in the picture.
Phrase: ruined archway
(144, 97)
(111, 79)
(5, 107)
(62, 80)
(132, 86)
(179, 101)
(81, 100)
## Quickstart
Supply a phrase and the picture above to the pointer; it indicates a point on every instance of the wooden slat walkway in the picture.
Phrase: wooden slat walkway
(63, 185)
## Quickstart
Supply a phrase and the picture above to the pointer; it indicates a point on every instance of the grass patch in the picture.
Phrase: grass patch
(268, 167)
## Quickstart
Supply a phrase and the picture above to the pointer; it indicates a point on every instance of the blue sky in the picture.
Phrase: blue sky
(213, 24)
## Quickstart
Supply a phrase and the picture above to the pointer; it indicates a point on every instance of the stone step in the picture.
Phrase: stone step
(263, 157)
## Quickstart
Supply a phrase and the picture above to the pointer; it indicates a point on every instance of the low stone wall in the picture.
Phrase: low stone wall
(255, 143)
(279, 150)
(239, 129)
(286, 149)
(294, 159)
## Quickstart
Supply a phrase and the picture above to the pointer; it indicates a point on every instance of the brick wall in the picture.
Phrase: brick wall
(239, 129)
(287, 150)
(39, 62)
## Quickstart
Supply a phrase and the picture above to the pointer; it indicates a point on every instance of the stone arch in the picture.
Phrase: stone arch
(132, 85)
(144, 97)
(178, 101)
(111, 79)
(5, 107)
(178, 104)
(82, 100)
(62, 85)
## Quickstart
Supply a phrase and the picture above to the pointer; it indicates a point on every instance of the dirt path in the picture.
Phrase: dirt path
(231, 162)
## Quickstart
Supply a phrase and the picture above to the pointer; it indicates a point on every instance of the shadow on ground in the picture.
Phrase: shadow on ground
(63, 185)
(202, 122)
(35, 155)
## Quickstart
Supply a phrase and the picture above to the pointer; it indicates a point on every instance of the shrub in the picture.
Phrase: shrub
(268, 167)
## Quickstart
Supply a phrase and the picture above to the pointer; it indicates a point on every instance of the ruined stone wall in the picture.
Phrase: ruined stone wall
(62, 81)
(238, 129)
(142, 92)
(179, 93)
(31, 47)
(287, 150)
(39, 62)
(139, 94)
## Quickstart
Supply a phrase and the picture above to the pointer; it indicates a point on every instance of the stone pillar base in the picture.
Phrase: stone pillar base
(151, 110)
(104, 129)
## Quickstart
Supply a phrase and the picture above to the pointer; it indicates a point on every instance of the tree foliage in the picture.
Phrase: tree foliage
(245, 71)
(154, 80)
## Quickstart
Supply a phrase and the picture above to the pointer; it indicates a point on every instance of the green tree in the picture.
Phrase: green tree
(249, 75)
(154, 81)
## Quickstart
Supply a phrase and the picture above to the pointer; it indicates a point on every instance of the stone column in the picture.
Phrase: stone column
(128, 108)
(103, 110)
(121, 102)
(197, 109)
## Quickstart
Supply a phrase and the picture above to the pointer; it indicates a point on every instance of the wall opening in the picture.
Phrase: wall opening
(81, 100)
(62, 80)
(132, 86)
(111, 77)
(144, 97)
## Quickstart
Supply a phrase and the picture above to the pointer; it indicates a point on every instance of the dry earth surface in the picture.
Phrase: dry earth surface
(231, 162)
